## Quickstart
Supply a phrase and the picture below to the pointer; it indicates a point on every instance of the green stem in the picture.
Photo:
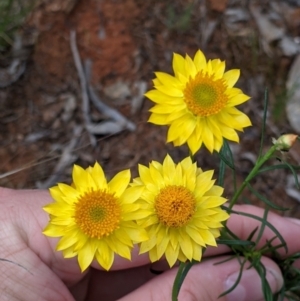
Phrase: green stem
(252, 174)
(176, 285)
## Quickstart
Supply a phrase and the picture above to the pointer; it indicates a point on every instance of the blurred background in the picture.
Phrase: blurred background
(73, 74)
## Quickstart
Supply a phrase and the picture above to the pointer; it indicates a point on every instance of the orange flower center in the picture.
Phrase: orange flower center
(97, 213)
(175, 206)
(205, 95)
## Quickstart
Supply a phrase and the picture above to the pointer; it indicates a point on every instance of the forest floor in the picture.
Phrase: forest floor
(42, 124)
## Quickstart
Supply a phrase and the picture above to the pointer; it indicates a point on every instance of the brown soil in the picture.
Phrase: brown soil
(127, 41)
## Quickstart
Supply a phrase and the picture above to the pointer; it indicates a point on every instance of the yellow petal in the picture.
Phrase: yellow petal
(204, 182)
(122, 250)
(71, 194)
(168, 80)
(156, 175)
(119, 182)
(56, 194)
(162, 246)
(170, 90)
(197, 252)
(208, 137)
(149, 220)
(208, 238)
(178, 64)
(218, 143)
(79, 176)
(104, 256)
(57, 208)
(147, 245)
(159, 119)
(173, 234)
(195, 140)
(182, 128)
(186, 245)
(215, 190)
(82, 239)
(122, 235)
(131, 194)
(54, 230)
(238, 121)
(190, 67)
(208, 68)
(97, 174)
(200, 60)
(218, 68)
(175, 116)
(69, 253)
(136, 234)
(229, 133)
(168, 167)
(66, 242)
(237, 100)
(231, 77)
(145, 174)
(153, 255)
(167, 109)
(214, 201)
(195, 235)
(172, 254)
(159, 97)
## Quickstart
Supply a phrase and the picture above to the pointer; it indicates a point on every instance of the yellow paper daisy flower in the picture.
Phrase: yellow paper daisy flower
(198, 103)
(94, 218)
(181, 208)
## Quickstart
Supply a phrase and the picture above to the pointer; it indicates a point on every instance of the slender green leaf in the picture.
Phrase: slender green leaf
(261, 270)
(252, 234)
(226, 155)
(229, 242)
(294, 174)
(277, 166)
(262, 227)
(237, 280)
(221, 176)
(263, 127)
(264, 199)
(269, 225)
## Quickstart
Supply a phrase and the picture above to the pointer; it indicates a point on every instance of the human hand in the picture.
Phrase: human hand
(33, 270)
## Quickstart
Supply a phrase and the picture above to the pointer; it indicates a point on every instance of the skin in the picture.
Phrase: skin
(31, 269)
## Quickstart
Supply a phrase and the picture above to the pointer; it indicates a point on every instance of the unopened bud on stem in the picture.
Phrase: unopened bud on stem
(285, 142)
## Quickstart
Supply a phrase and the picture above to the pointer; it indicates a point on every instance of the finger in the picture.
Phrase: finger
(22, 218)
(33, 200)
(207, 281)
(24, 276)
(242, 226)
(115, 284)
(36, 283)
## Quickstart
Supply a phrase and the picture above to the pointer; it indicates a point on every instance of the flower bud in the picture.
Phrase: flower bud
(285, 142)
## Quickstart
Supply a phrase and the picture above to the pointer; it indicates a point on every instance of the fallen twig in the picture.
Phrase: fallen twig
(121, 122)
(65, 160)
(83, 85)
(16, 68)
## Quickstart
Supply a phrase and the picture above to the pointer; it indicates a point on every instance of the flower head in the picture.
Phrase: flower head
(198, 103)
(94, 218)
(181, 209)
(285, 142)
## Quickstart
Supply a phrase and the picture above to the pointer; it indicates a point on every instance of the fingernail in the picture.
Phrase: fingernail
(249, 287)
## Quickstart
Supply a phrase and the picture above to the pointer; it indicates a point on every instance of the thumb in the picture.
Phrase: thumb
(206, 281)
